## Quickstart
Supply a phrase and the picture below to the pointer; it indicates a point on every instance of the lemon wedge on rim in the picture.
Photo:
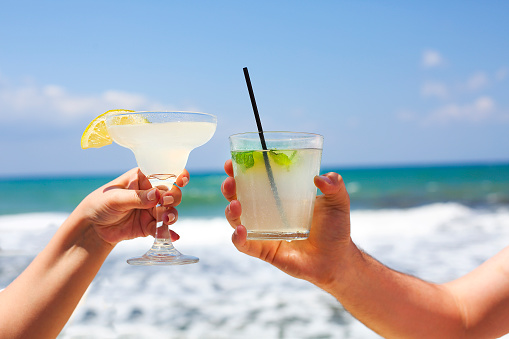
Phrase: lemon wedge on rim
(96, 134)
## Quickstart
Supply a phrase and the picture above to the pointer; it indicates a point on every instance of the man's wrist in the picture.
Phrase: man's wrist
(343, 271)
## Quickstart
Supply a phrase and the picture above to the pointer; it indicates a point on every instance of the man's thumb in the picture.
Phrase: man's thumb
(333, 188)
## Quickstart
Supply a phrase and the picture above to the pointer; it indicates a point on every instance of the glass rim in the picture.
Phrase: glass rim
(161, 112)
(303, 134)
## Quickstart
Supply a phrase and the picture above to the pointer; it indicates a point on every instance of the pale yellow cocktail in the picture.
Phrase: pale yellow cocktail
(161, 143)
(276, 186)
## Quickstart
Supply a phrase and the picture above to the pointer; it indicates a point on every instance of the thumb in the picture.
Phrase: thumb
(334, 191)
(127, 199)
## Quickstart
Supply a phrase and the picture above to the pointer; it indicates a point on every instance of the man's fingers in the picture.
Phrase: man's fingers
(264, 250)
(239, 237)
(233, 212)
(228, 167)
(251, 248)
(229, 189)
(333, 188)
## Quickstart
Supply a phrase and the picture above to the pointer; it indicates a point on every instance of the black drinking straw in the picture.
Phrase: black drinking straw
(273, 186)
(255, 109)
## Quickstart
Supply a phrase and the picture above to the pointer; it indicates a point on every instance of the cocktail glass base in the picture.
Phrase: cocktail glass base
(259, 235)
(162, 255)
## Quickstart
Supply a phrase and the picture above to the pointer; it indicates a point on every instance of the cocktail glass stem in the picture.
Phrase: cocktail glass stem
(162, 240)
(162, 251)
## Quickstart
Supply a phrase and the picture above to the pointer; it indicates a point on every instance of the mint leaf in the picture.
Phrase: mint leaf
(245, 159)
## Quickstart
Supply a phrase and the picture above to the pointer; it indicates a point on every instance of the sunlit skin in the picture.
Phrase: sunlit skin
(313, 251)
(393, 304)
(38, 303)
(117, 217)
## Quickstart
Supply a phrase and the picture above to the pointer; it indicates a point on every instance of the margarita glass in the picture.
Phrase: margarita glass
(161, 143)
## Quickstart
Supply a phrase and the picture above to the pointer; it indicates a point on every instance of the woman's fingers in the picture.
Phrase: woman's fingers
(172, 197)
(183, 178)
(174, 236)
(169, 215)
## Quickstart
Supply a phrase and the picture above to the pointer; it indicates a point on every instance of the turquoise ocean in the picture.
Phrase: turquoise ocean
(476, 186)
(435, 222)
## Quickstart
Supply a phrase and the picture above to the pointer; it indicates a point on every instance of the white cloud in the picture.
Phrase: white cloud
(29, 100)
(484, 104)
(478, 110)
(470, 100)
(432, 58)
(477, 81)
(434, 89)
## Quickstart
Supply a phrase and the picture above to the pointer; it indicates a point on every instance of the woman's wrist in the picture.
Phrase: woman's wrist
(81, 233)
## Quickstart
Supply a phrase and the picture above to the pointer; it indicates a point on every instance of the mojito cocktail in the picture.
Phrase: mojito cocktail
(276, 186)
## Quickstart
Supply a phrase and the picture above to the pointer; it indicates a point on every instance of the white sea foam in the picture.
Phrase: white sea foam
(230, 295)
(27, 234)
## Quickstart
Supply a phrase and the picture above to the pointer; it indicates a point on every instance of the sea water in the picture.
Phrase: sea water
(436, 223)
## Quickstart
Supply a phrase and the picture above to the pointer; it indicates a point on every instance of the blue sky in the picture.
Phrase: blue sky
(386, 83)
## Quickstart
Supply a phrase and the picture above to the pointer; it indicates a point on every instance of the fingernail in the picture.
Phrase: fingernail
(185, 180)
(168, 200)
(151, 195)
(326, 179)
(170, 217)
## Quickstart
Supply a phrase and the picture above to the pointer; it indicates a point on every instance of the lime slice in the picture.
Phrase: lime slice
(96, 134)
(283, 158)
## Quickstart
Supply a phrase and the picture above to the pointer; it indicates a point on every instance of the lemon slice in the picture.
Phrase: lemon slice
(96, 134)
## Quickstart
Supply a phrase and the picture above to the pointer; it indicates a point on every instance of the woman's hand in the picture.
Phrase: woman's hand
(125, 208)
